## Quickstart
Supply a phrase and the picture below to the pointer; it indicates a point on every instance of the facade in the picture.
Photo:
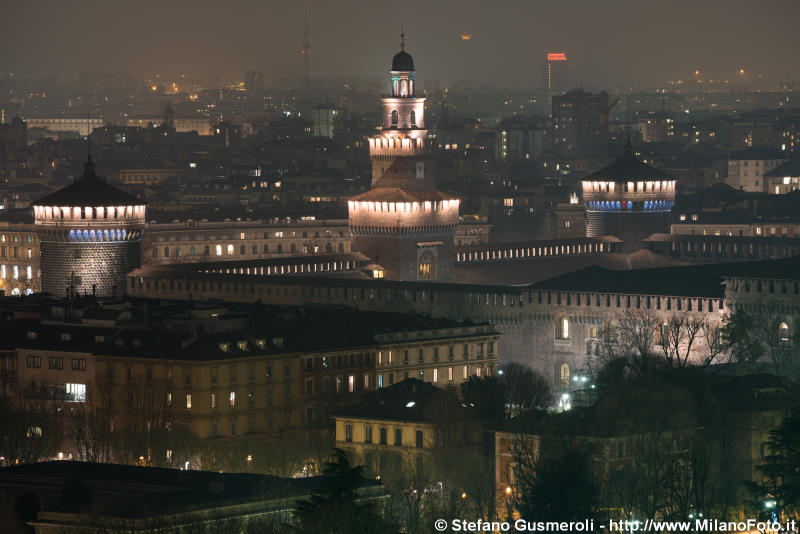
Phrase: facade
(83, 126)
(628, 199)
(19, 259)
(90, 234)
(580, 121)
(518, 140)
(403, 224)
(223, 383)
(746, 168)
(193, 241)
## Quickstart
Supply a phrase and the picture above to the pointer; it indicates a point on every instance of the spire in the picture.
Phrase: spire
(628, 147)
(402, 37)
(88, 169)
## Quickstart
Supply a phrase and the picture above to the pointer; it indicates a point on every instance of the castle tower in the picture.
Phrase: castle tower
(629, 200)
(90, 236)
(403, 223)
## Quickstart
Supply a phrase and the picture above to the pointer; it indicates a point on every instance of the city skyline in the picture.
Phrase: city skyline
(624, 45)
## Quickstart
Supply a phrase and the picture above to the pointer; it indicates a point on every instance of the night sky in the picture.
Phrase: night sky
(612, 44)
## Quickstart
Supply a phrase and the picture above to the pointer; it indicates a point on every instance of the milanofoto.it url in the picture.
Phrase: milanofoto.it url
(589, 525)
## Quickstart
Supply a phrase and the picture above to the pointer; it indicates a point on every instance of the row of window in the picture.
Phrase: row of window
(229, 250)
(479, 350)
(14, 272)
(432, 375)
(54, 362)
(383, 436)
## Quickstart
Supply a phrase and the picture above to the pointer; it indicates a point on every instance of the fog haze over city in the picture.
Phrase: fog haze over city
(639, 44)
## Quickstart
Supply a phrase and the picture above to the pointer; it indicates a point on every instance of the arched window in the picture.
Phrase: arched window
(564, 375)
(394, 117)
(427, 266)
(562, 328)
(783, 333)
(413, 118)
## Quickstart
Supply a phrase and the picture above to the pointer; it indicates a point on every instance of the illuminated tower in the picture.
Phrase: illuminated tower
(629, 200)
(403, 223)
(90, 236)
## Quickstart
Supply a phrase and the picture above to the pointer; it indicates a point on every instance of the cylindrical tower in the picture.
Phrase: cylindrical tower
(629, 200)
(403, 223)
(90, 236)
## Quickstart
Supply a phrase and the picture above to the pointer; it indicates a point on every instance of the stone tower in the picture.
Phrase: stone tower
(403, 224)
(629, 200)
(90, 236)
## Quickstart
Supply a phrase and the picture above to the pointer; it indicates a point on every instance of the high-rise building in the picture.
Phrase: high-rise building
(403, 223)
(90, 236)
(556, 73)
(629, 200)
(517, 139)
(580, 121)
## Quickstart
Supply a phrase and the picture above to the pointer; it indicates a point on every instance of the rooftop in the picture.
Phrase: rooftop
(628, 168)
(89, 190)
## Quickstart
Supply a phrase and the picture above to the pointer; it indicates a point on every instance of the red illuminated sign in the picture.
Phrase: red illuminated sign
(558, 56)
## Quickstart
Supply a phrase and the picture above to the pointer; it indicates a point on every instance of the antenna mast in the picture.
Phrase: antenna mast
(306, 51)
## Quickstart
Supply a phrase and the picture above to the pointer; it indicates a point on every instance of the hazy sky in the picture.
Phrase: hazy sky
(612, 43)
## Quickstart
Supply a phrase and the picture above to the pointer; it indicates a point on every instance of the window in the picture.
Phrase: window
(348, 433)
(78, 364)
(450, 374)
(419, 439)
(398, 437)
(56, 362)
(564, 375)
(413, 118)
(232, 399)
(268, 372)
(214, 429)
(562, 328)
(436, 375)
(188, 401)
(309, 387)
(367, 434)
(383, 435)
(233, 426)
(213, 401)
(427, 266)
(420, 354)
(251, 398)
(394, 117)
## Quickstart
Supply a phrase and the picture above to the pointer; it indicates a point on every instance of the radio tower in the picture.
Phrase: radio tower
(306, 51)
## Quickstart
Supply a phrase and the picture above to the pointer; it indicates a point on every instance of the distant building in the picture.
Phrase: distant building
(580, 121)
(628, 199)
(518, 140)
(322, 121)
(89, 235)
(14, 135)
(82, 126)
(746, 168)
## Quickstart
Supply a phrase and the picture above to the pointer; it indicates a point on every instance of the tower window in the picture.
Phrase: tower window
(413, 118)
(427, 266)
(394, 117)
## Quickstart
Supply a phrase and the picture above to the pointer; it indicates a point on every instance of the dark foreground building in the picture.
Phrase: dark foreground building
(79, 497)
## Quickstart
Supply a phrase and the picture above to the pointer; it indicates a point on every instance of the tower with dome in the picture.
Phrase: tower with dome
(403, 224)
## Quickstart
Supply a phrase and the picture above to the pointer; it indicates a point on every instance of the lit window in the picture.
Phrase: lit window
(563, 328)
(783, 333)
(233, 399)
(188, 401)
(219, 250)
